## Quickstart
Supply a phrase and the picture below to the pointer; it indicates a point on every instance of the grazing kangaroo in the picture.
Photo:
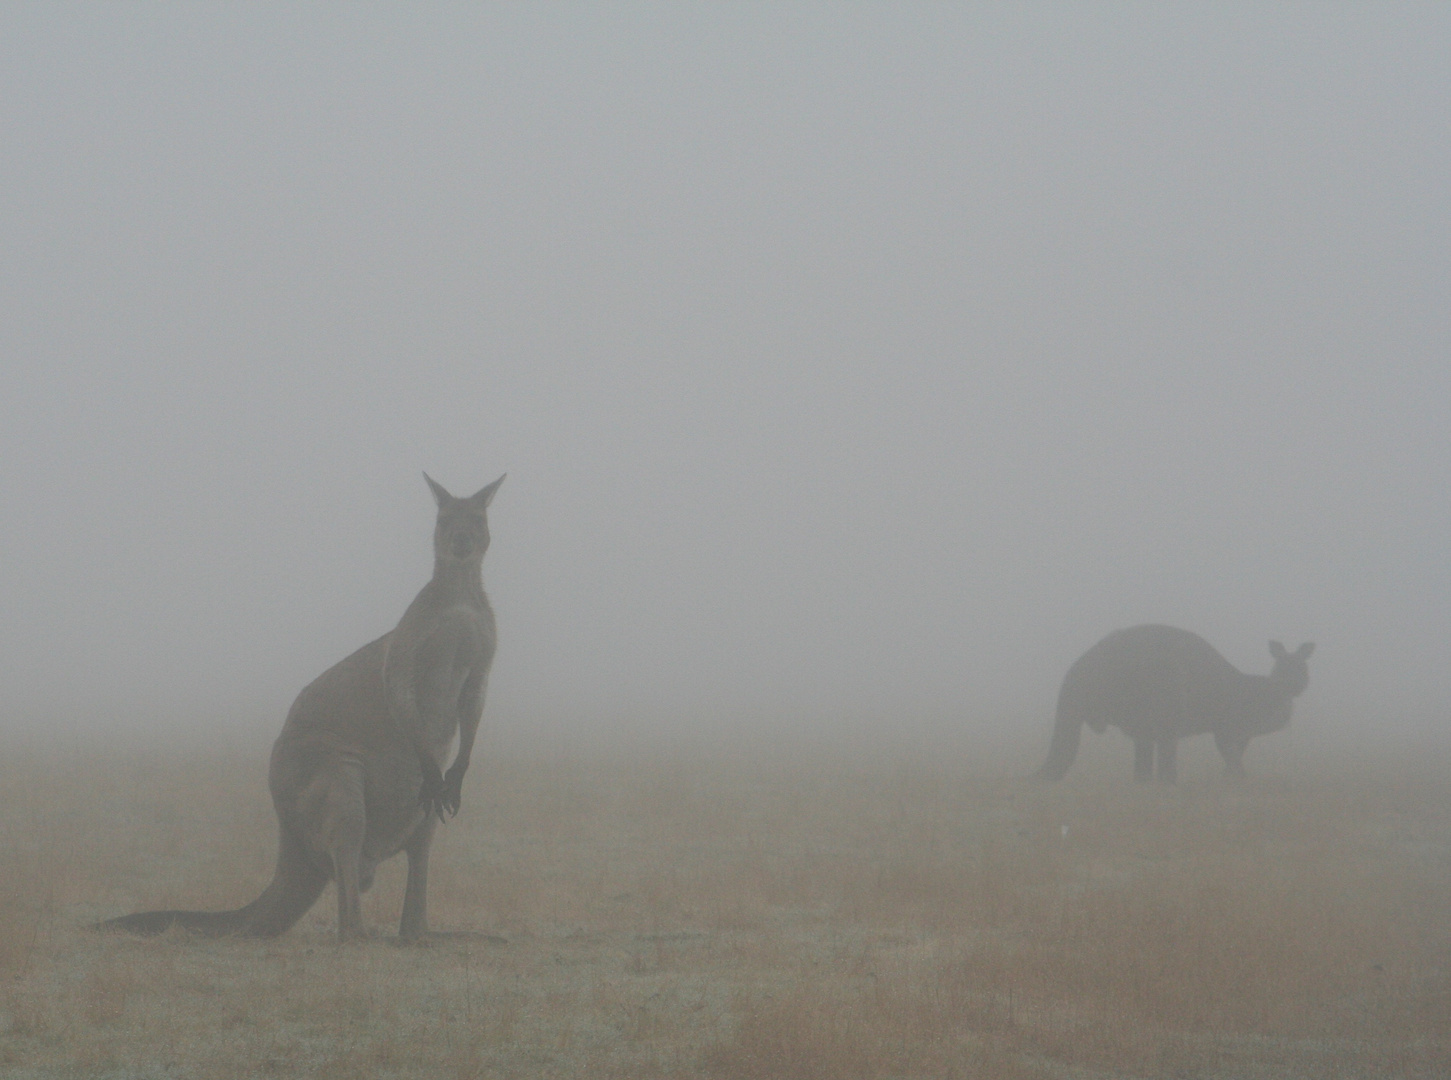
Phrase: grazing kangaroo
(1159, 685)
(355, 774)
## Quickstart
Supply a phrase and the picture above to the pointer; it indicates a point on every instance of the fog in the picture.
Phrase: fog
(852, 366)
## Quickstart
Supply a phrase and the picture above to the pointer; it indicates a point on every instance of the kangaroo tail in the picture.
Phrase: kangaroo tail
(1064, 747)
(296, 885)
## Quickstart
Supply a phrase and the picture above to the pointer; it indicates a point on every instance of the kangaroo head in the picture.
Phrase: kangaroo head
(462, 532)
(1291, 670)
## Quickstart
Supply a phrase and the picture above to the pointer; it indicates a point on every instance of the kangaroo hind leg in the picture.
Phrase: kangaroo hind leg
(1168, 770)
(414, 925)
(1231, 748)
(335, 824)
(1143, 760)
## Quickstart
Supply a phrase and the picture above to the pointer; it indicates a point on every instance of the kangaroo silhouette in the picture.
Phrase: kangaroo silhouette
(1158, 685)
(355, 774)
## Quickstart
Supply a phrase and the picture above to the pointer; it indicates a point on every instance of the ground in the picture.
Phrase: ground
(763, 909)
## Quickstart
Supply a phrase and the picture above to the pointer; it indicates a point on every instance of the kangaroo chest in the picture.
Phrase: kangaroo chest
(449, 669)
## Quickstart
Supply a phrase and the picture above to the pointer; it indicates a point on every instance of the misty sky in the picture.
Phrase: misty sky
(849, 363)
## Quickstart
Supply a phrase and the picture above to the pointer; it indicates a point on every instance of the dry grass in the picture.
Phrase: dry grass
(758, 913)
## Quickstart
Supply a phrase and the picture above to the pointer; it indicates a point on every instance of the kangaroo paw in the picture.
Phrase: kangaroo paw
(432, 794)
(453, 783)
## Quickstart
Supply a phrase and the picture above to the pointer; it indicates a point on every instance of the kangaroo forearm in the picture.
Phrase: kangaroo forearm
(466, 733)
(407, 724)
(471, 711)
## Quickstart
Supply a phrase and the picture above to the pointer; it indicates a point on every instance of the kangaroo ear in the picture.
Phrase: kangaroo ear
(1277, 650)
(484, 496)
(440, 495)
(1304, 651)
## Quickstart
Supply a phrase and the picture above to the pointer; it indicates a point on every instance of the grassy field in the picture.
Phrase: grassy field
(768, 910)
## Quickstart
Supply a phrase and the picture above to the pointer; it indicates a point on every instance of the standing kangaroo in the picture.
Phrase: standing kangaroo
(356, 775)
(1159, 685)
